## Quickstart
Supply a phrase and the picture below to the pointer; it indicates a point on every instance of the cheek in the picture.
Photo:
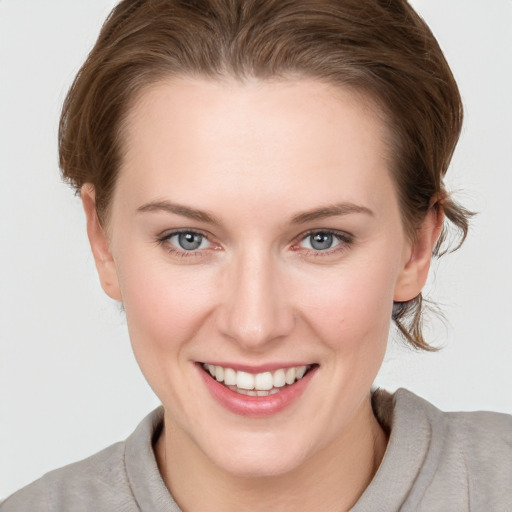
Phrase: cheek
(165, 306)
(351, 307)
(165, 310)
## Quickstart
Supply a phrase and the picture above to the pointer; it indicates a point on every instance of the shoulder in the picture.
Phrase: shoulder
(483, 435)
(467, 457)
(438, 461)
(76, 487)
(479, 436)
(115, 478)
(482, 442)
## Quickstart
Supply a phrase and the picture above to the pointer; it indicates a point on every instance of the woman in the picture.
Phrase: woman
(263, 187)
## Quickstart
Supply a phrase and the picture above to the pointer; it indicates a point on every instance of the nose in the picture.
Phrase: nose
(256, 309)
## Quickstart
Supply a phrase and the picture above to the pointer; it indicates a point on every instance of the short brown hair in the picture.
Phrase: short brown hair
(380, 47)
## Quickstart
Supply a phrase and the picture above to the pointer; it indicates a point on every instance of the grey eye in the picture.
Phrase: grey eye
(189, 241)
(321, 241)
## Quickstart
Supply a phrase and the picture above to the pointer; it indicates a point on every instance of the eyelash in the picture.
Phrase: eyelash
(164, 240)
(345, 241)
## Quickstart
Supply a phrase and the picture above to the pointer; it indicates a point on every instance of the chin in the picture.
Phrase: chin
(254, 457)
(259, 467)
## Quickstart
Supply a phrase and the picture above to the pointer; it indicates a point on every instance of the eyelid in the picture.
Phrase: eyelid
(164, 240)
(345, 239)
(165, 235)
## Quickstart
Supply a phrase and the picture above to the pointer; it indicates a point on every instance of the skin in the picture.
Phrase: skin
(254, 156)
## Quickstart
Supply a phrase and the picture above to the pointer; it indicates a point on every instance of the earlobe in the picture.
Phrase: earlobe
(414, 273)
(100, 244)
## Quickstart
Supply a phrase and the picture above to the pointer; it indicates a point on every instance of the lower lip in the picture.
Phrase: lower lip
(255, 406)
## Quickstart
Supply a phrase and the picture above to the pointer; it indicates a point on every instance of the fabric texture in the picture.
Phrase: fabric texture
(435, 461)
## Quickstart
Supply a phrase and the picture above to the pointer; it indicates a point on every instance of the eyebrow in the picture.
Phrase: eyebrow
(330, 211)
(178, 209)
(345, 208)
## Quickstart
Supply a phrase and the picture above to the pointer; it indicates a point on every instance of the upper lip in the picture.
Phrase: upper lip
(260, 368)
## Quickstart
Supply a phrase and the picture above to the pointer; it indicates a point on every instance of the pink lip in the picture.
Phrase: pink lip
(255, 406)
(256, 368)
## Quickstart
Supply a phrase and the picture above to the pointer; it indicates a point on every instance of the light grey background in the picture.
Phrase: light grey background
(68, 382)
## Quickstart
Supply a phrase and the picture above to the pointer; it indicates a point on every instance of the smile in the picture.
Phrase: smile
(258, 384)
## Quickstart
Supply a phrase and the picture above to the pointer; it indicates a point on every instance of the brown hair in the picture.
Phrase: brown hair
(380, 47)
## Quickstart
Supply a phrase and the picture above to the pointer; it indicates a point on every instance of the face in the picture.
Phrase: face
(255, 236)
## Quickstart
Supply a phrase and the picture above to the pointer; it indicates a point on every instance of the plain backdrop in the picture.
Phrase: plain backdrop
(69, 384)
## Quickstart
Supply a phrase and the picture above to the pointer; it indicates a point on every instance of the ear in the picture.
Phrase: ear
(413, 275)
(100, 244)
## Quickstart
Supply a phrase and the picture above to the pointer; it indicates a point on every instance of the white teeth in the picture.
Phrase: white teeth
(290, 375)
(263, 381)
(279, 378)
(299, 372)
(248, 392)
(263, 384)
(229, 377)
(244, 380)
(219, 373)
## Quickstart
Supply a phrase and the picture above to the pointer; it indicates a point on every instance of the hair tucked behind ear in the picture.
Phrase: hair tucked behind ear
(381, 48)
(408, 316)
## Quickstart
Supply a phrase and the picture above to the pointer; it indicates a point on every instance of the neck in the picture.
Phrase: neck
(335, 477)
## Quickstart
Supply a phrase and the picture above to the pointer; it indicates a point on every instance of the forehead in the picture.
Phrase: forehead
(258, 139)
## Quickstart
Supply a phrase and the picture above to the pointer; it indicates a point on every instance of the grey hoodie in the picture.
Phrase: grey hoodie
(435, 461)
